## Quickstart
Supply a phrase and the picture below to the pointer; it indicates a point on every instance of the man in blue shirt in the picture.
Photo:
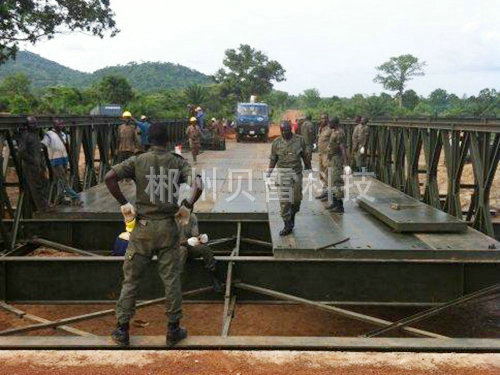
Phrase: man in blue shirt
(199, 117)
(143, 126)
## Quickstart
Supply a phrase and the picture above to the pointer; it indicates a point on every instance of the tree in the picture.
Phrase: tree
(248, 72)
(115, 89)
(439, 101)
(410, 99)
(16, 84)
(63, 100)
(310, 98)
(15, 92)
(378, 106)
(195, 94)
(277, 99)
(487, 103)
(32, 20)
(396, 73)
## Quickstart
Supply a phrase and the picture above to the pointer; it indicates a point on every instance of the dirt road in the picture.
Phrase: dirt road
(242, 363)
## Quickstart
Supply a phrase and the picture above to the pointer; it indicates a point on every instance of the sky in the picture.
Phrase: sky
(333, 46)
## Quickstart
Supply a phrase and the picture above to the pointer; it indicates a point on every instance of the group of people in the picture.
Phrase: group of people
(169, 229)
(131, 139)
(132, 136)
(291, 153)
(55, 142)
(194, 134)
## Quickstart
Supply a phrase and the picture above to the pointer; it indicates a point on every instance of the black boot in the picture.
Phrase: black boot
(175, 333)
(217, 285)
(333, 205)
(339, 208)
(120, 334)
(294, 212)
(287, 229)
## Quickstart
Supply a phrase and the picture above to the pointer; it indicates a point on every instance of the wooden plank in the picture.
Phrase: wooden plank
(404, 213)
(258, 342)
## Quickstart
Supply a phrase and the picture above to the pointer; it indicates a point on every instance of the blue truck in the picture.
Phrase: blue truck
(252, 120)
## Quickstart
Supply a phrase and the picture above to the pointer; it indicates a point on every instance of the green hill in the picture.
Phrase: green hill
(43, 72)
(155, 75)
(148, 76)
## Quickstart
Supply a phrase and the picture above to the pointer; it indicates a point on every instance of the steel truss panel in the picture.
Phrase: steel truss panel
(24, 279)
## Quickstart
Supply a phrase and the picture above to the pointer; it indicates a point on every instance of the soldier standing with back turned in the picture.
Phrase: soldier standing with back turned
(156, 174)
(286, 154)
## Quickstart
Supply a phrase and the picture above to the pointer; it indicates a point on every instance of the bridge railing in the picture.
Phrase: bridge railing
(91, 152)
(413, 154)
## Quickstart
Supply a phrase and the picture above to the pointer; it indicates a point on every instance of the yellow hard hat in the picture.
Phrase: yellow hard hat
(192, 119)
(127, 114)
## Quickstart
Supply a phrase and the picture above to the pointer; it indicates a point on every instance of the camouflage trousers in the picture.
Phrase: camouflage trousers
(360, 162)
(324, 163)
(199, 251)
(335, 180)
(195, 148)
(290, 194)
(152, 237)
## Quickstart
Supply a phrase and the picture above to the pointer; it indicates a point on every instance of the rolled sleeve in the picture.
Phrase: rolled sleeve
(125, 169)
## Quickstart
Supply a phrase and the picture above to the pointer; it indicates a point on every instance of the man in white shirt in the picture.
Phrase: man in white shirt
(55, 140)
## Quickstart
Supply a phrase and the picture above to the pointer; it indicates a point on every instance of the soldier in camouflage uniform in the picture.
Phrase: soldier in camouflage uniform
(193, 134)
(338, 165)
(30, 152)
(360, 144)
(286, 154)
(324, 133)
(156, 174)
(307, 132)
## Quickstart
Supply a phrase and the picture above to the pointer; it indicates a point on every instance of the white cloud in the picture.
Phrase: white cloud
(331, 45)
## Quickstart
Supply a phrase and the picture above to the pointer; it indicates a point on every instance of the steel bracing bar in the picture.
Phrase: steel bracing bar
(24, 315)
(336, 310)
(59, 246)
(253, 241)
(229, 276)
(433, 311)
(229, 317)
(17, 218)
(93, 315)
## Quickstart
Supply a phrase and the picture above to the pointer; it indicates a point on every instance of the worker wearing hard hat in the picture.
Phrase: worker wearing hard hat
(127, 142)
(193, 134)
(199, 117)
